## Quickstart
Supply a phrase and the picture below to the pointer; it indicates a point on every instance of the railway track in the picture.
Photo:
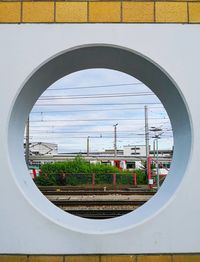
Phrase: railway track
(97, 203)
(90, 187)
(64, 190)
(98, 209)
(95, 192)
(79, 202)
(95, 214)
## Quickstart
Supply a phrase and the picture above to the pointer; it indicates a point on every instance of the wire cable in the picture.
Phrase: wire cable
(95, 120)
(42, 98)
(91, 110)
(99, 104)
(98, 86)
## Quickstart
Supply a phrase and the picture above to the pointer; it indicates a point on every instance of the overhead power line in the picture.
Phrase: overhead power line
(86, 132)
(100, 104)
(84, 137)
(98, 86)
(44, 128)
(93, 96)
(95, 120)
(91, 110)
(80, 125)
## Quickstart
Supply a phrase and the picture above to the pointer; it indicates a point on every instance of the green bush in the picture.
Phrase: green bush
(46, 180)
(141, 177)
(79, 172)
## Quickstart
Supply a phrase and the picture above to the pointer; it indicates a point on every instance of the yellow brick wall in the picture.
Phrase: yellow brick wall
(71, 12)
(100, 11)
(103, 258)
(104, 12)
(34, 12)
(169, 12)
(10, 12)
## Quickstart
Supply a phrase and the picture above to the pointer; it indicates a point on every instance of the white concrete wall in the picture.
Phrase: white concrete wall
(169, 222)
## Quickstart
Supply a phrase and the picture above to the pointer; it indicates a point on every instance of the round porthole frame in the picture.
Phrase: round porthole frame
(110, 57)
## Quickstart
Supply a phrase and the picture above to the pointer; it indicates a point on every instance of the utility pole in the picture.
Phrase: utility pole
(155, 145)
(27, 143)
(154, 149)
(115, 139)
(156, 137)
(146, 136)
(88, 145)
(157, 166)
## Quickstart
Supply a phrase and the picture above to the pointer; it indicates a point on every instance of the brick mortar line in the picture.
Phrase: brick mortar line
(121, 11)
(21, 12)
(136, 257)
(54, 14)
(100, 1)
(88, 12)
(134, 23)
(90, 255)
(188, 15)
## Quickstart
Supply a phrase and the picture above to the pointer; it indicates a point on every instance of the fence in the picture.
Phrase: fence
(90, 179)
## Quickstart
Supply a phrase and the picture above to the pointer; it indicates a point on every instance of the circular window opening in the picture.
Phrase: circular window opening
(98, 143)
(119, 59)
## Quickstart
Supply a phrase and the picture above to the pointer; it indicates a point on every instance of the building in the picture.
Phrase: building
(112, 152)
(42, 148)
(140, 151)
(135, 150)
(168, 153)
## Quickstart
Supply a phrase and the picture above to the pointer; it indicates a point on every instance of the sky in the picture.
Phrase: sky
(88, 103)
